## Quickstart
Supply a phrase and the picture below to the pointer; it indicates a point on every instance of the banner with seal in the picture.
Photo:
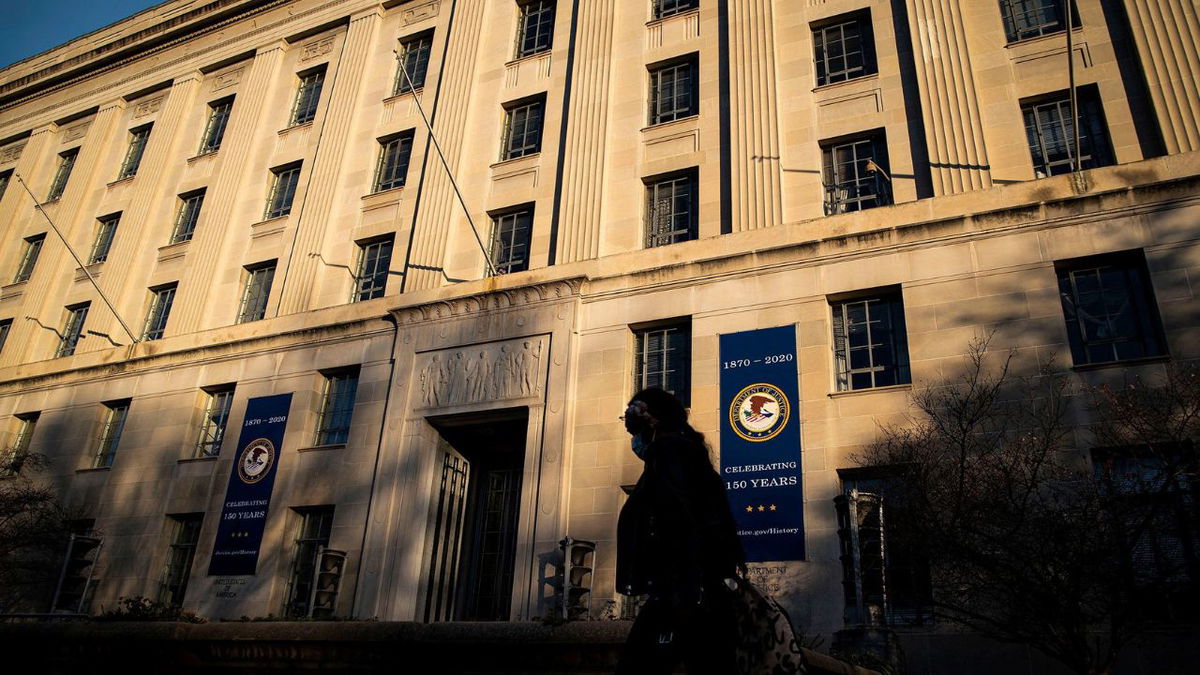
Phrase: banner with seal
(248, 497)
(760, 441)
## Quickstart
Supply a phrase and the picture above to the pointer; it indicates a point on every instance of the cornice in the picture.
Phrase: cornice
(516, 298)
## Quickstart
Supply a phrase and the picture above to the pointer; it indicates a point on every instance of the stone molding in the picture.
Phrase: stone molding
(499, 371)
(497, 300)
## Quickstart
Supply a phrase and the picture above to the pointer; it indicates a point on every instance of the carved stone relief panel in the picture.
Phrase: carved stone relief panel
(420, 13)
(226, 80)
(76, 131)
(316, 48)
(148, 107)
(498, 371)
(11, 152)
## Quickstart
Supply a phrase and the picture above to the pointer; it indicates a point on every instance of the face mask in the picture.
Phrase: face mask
(639, 445)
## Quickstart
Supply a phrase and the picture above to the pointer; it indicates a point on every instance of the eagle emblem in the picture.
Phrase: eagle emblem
(759, 412)
(255, 460)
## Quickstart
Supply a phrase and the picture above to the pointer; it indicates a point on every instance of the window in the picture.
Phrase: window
(394, 152)
(374, 261)
(18, 449)
(66, 162)
(665, 8)
(870, 344)
(29, 256)
(1024, 19)
(535, 32)
(308, 95)
(337, 407)
(673, 92)
(115, 413)
(663, 358)
(855, 174)
(5, 328)
(1110, 309)
(188, 215)
(257, 291)
(844, 49)
(214, 129)
(510, 240)
(106, 229)
(72, 329)
(316, 523)
(216, 417)
(885, 576)
(671, 210)
(161, 300)
(137, 147)
(283, 190)
(184, 537)
(1052, 135)
(522, 129)
(5, 176)
(414, 60)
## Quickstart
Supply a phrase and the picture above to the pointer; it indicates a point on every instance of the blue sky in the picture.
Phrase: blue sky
(30, 27)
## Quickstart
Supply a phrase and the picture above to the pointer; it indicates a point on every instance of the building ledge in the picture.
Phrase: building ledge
(872, 390)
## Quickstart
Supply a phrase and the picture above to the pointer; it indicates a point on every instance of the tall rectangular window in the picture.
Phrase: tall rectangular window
(316, 524)
(671, 213)
(66, 162)
(1110, 309)
(115, 413)
(673, 91)
(394, 152)
(855, 174)
(29, 257)
(214, 128)
(5, 177)
(216, 417)
(18, 449)
(843, 49)
(535, 29)
(414, 60)
(5, 329)
(256, 292)
(510, 240)
(284, 180)
(184, 537)
(187, 216)
(337, 407)
(374, 261)
(665, 8)
(308, 95)
(1051, 133)
(663, 358)
(106, 229)
(161, 300)
(870, 344)
(1024, 19)
(72, 329)
(522, 128)
(133, 155)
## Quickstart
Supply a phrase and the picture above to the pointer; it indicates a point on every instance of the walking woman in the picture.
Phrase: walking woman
(676, 543)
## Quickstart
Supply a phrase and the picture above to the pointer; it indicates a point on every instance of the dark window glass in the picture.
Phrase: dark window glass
(257, 292)
(671, 210)
(665, 8)
(510, 241)
(394, 154)
(137, 147)
(216, 417)
(337, 408)
(160, 311)
(29, 257)
(1110, 309)
(673, 92)
(414, 60)
(663, 358)
(186, 218)
(1052, 135)
(316, 524)
(5, 328)
(522, 129)
(870, 343)
(844, 50)
(855, 175)
(536, 27)
(5, 176)
(72, 330)
(214, 129)
(308, 95)
(1024, 19)
(106, 229)
(115, 414)
(374, 260)
(14, 455)
(66, 162)
(283, 190)
(179, 558)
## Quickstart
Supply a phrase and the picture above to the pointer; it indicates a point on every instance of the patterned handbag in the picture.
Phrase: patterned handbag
(766, 643)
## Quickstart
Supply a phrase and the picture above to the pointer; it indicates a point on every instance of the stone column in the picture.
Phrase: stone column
(1167, 33)
(754, 118)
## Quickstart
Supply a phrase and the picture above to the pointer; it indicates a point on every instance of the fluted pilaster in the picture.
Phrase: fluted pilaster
(753, 116)
(1167, 34)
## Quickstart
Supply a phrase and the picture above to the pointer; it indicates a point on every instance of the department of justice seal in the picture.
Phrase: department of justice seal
(759, 412)
(255, 461)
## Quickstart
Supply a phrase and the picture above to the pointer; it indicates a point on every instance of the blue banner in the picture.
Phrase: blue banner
(760, 441)
(248, 497)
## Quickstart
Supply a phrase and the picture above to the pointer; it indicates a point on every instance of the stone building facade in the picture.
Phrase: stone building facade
(615, 184)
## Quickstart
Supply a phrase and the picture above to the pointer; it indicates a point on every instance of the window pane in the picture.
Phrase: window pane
(337, 408)
(393, 162)
(72, 330)
(180, 556)
(256, 293)
(66, 162)
(672, 94)
(160, 311)
(665, 8)
(855, 175)
(316, 524)
(186, 219)
(843, 51)
(374, 260)
(663, 359)
(283, 190)
(1110, 310)
(110, 434)
(212, 428)
(1051, 134)
(105, 231)
(133, 155)
(214, 130)
(671, 211)
(536, 27)
(29, 257)
(414, 59)
(870, 343)
(510, 241)
(308, 95)
(1024, 19)
(523, 130)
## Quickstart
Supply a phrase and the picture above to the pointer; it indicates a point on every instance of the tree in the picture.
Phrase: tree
(34, 527)
(1026, 538)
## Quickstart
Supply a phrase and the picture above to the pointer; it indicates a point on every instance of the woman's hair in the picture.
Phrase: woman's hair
(671, 415)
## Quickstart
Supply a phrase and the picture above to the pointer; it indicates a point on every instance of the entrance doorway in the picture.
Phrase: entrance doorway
(475, 518)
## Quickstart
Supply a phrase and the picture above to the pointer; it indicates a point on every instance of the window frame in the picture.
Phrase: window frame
(656, 111)
(260, 294)
(181, 555)
(643, 378)
(654, 238)
(5, 330)
(5, 179)
(527, 30)
(72, 330)
(15, 454)
(187, 216)
(821, 33)
(162, 298)
(219, 112)
(139, 137)
(1013, 34)
(279, 203)
(379, 269)
(214, 421)
(664, 9)
(1090, 107)
(308, 95)
(423, 44)
(528, 106)
(313, 533)
(892, 299)
(393, 174)
(106, 231)
(1139, 296)
(337, 407)
(833, 182)
(29, 257)
(62, 174)
(113, 426)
